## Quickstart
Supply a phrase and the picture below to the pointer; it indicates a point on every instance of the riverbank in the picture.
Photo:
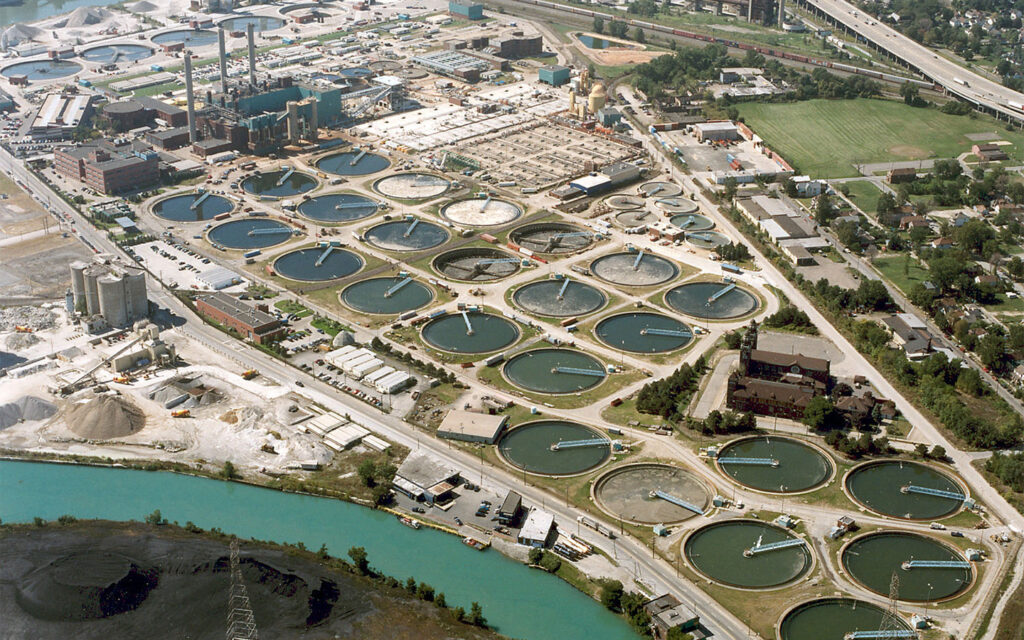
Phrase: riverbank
(58, 579)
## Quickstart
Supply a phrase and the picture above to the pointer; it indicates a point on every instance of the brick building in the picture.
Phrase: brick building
(108, 168)
(253, 323)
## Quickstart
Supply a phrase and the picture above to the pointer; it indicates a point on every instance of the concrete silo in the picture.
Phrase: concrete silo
(92, 293)
(113, 302)
(135, 294)
(78, 281)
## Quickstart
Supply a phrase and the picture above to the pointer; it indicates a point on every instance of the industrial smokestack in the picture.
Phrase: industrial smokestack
(189, 98)
(782, 12)
(250, 34)
(222, 46)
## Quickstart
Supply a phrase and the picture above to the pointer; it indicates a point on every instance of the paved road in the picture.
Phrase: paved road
(956, 79)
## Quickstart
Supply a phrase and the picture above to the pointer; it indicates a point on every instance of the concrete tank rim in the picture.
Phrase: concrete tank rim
(433, 264)
(503, 458)
(558, 224)
(520, 209)
(207, 232)
(676, 271)
(515, 290)
(952, 475)
(645, 311)
(150, 207)
(341, 295)
(833, 467)
(362, 264)
(381, 223)
(375, 188)
(607, 474)
(515, 325)
(825, 600)
(504, 375)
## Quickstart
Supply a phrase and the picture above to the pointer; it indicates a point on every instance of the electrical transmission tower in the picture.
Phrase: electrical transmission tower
(241, 622)
(892, 626)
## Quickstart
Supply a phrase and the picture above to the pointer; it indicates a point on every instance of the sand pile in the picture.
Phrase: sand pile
(83, 17)
(105, 417)
(25, 408)
(142, 7)
(35, 317)
(18, 33)
(19, 341)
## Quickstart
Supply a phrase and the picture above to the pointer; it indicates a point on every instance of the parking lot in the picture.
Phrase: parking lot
(311, 360)
(177, 265)
(461, 512)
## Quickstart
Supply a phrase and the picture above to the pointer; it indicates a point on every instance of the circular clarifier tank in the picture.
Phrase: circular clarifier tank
(557, 299)
(832, 619)
(552, 237)
(250, 233)
(713, 300)
(283, 183)
(871, 560)
(707, 239)
(775, 465)
(407, 235)
(42, 69)
(883, 487)
(628, 493)
(476, 265)
(357, 162)
(635, 218)
(531, 447)
(192, 207)
(692, 222)
(259, 23)
(412, 186)
(190, 37)
(643, 332)
(338, 208)
(470, 332)
(317, 264)
(116, 53)
(481, 212)
(623, 202)
(660, 189)
(555, 371)
(678, 204)
(356, 73)
(383, 295)
(633, 269)
(727, 553)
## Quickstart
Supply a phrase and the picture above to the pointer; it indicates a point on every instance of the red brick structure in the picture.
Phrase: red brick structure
(253, 323)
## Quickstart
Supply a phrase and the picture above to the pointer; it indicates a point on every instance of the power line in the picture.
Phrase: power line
(241, 622)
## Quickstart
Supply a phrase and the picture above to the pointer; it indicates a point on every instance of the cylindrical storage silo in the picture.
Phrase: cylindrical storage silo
(92, 294)
(112, 300)
(135, 292)
(78, 281)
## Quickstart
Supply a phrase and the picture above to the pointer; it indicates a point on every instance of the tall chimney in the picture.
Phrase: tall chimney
(782, 12)
(250, 34)
(222, 46)
(189, 98)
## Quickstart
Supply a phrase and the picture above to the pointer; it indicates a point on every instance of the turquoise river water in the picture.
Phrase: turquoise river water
(519, 602)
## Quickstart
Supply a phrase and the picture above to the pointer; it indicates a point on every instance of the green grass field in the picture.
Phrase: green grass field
(893, 269)
(865, 195)
(826, 138)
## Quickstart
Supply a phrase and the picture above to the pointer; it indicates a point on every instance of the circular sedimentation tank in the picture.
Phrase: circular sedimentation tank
(355, 73)
(643, 332)
(550, 237)
(481, 212)
(472, 332)
(385, 66)
(626, 270)
(784, 465)
(401, 235)
(250, 233)
(695, 299)
(259, 23)
(529, 447)
(338, 208)
(184, 207)
(412, 186)
(357, 162)
(659, 189)
(623, 202)
(552, 370)
(371, 296)
(871, 560)
(678, 204)
(707, 239)
(114, 53)
(692, 222)
(190, 37)
(42, 69)
(548, 298)
(725, 552)
(312, 265)
(627, 493)
(635, 218)
(879, 486)
(273, 184)
(832, 619)
(465, 264)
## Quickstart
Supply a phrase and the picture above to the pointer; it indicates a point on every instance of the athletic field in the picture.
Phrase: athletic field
(826, 138)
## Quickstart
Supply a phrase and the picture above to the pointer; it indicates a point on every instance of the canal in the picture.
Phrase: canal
(519, 602)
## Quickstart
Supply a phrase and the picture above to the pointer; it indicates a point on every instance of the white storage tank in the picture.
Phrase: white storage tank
(112, 300)
(135, 295)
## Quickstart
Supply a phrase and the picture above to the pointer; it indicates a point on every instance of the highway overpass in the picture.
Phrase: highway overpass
(987, 95)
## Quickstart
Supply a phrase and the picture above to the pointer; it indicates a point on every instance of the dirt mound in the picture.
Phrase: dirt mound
(25, 408)
(84, 17)
(105, 417)
(19, 341)
(231, 417)
(86, 586)
(35, 317)
(142, 7)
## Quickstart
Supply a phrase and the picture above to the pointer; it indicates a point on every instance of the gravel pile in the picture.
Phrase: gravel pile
(25, 408)
(18, 341)
(105, 417)
(35, 317)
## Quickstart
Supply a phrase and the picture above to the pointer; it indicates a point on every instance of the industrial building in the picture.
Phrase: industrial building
(424, 478)
(667, 613)
(253, 323)
(607, 178)
(716, 131)
(537, 529)
(108, 295)
(470, 10)
(454, 64)
(59, 116)
(554, 74)
(471, 426)
(109, 167)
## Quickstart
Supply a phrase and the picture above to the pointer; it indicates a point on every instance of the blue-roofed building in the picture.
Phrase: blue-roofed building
(471, 10)
(554, 74)
(127, 225)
